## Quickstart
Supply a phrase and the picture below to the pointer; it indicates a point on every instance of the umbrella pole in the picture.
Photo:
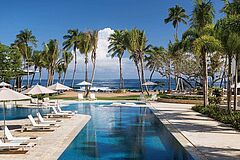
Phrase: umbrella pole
(4, 121)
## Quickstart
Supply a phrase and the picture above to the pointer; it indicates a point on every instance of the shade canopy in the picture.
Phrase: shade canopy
(149, 84)
(3, 84)
(37, 89)
(84, 83)
(7, 94)
(59, 87)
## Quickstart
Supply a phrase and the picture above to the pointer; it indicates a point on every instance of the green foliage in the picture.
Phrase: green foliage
(10, 63)
(220, 115)
(179, 97)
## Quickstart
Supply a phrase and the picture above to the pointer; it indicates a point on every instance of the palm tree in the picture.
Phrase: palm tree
(202, 15)
(94, 43)
(176, 15)
(37, 59)
(71, 41)
(85, 47)
(67, 58)
(50, 54)
(228, 33)
(135, 41)
(117, 48)
(23, 39)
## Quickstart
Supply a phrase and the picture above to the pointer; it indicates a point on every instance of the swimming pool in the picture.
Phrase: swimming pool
(122, 133)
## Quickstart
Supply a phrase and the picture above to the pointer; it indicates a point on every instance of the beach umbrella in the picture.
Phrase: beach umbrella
(84, 83)
(3, 84)
(6, 95)
(59, 87)
(37, 90)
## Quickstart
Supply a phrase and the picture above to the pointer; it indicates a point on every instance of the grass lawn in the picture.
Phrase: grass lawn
(132, 97)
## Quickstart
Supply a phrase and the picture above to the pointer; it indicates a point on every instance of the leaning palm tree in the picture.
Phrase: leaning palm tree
(50, 54)
(23, 39)
(117, 48)
(85, 47)
(71, 41)
(94, 43)
(176, 15)
(202, 15)
(67, 58)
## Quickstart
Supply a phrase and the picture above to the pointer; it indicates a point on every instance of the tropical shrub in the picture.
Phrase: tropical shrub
(218, 114)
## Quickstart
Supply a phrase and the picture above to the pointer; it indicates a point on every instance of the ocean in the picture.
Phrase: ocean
(131, 84)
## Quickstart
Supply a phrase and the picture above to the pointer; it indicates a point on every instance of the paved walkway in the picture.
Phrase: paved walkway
(212, 140)
(52, 144)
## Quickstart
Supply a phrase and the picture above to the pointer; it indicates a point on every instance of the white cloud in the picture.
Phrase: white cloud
(106, 67)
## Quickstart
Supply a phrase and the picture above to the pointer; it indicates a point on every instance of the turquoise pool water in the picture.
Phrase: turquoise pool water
(122, 133)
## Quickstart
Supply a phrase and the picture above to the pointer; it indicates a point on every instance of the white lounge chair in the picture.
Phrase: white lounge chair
(154, 97)
(10, 145)
(142, 98)
(34, 124)
(80, 96)
(58, 114)
(92, 96)
(10, 137)
(61, 111)
(42, 121)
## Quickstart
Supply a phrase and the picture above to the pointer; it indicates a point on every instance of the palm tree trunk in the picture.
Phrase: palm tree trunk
(205, 79)
(229, 90)
(49, 76)
(142, 72)
(176, 36)
(169, 76)
(121, 86)
(86, 73)
(28, 75)
(64, 77)
(153, 70)
(33, 76)
(75, 66)
(40, 75)
(93, 70)
(235, 85)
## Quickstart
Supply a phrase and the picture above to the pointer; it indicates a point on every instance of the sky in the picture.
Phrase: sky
(50, 19)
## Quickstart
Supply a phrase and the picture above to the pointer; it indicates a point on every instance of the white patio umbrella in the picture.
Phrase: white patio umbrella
(84, 83)
(38, 89)
(4, 84)
(6, 95)
(59, 87)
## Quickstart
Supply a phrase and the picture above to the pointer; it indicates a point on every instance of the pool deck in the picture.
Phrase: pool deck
(52, 144)
(203, 137)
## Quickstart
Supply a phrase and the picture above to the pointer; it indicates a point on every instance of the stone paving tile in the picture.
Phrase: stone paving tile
(51, 145)
(213, 139)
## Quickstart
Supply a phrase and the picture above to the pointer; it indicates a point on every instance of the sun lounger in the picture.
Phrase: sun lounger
(10, 137)
(92, 96)
(154, 97)
(57, 114)
(10, 145)
(34, 124)
(80, 96)
(61, 111)
(42, 121)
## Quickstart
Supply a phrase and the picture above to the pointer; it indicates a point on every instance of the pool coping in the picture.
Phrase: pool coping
(187, 144)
